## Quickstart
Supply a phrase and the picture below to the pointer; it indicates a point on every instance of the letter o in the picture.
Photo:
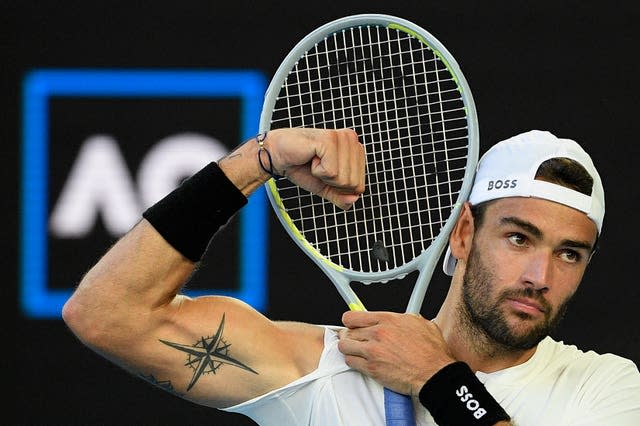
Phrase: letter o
(171, 160)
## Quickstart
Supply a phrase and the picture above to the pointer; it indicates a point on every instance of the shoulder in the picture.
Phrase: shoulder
(588, 365)
(557, 349)
(562, 384)
(604, 388)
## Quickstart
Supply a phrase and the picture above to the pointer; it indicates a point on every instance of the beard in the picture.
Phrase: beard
(482, 311)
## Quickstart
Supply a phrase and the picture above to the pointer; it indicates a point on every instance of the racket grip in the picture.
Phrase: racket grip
(398, 409)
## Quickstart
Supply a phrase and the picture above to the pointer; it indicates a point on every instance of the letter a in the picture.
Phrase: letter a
(99, 182)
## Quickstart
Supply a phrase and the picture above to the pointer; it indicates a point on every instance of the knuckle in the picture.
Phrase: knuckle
(378, 334)
(332, 174)
(351, 133)
(375, 351)
(347, 132)
(349, 360)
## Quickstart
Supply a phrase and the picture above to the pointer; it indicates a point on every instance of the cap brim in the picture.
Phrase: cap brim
(449, 264)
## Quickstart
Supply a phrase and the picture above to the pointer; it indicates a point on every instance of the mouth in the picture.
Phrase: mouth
(526, 305)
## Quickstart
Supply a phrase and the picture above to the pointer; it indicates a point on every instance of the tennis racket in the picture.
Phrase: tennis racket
(403, 93)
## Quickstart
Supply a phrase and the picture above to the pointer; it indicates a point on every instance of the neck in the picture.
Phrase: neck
(469, 343)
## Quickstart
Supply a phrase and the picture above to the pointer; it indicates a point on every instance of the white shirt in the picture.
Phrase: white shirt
(558, 385)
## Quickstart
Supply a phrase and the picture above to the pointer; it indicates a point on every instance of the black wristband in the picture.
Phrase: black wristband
(191, 214)
(455, 397)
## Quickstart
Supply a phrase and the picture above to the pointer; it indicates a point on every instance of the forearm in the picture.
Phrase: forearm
(146, 269)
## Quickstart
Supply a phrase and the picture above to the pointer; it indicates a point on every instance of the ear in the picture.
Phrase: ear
(462, 235)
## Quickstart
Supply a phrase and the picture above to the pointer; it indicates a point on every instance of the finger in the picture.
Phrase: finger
(340, 161)
(351, 334)
(326, 164)
(362, 334)
(354, 155)
(351, 347)
(350, 159)
(359, 160)
(337, 166)
(357, 363)
(344, 201)
(356, 319)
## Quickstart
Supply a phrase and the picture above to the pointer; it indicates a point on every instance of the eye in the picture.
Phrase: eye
(570, 256)
(518, 239)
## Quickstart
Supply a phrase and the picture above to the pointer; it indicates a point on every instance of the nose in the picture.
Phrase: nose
(538, 270)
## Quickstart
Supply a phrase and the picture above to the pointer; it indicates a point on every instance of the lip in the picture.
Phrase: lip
(530, 306)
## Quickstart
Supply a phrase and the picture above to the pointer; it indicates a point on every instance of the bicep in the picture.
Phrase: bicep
(218, 351)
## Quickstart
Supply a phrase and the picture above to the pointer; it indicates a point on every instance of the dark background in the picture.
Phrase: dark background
(568, 67)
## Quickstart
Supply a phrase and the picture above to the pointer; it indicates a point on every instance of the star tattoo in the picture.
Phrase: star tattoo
(207, 355)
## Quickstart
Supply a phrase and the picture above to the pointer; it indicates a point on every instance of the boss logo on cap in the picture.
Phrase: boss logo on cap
(502, 184)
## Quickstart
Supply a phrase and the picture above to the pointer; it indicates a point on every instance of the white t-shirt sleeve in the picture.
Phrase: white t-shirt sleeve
(564, 386)
(610, 396)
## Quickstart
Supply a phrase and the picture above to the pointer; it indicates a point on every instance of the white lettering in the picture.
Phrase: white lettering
(479, 413)
(173, 159)
(463, 389)
(472, 405)
(100, 183)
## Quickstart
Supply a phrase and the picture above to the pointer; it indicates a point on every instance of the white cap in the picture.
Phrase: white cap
(508, 169)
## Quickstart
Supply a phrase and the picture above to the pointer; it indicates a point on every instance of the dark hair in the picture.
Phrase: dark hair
(563, 171)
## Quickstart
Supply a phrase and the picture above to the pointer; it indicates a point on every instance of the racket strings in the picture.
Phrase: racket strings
(405, 105)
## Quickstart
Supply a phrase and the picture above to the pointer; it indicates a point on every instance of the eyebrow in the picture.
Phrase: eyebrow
(536, 232)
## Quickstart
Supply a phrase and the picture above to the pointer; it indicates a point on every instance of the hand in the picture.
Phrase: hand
(328, 163)
(400, 351)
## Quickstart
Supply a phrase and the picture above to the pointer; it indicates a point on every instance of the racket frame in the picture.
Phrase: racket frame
(425, 262)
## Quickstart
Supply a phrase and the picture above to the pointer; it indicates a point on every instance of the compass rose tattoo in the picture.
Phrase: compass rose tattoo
(207, 355)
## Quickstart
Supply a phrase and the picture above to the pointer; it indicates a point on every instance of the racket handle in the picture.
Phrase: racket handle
(398, 409)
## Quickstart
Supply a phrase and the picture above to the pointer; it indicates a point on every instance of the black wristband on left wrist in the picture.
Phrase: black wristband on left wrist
(191, 214)
(455, 397)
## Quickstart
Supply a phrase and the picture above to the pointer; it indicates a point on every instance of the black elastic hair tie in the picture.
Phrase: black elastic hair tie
(261, 148)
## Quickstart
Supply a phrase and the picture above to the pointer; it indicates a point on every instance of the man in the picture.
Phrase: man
(517, 261)
(517, 255)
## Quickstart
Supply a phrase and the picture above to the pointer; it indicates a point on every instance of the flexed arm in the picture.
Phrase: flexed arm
(212, 350)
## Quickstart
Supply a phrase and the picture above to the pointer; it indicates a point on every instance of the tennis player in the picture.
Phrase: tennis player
(517, 255)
